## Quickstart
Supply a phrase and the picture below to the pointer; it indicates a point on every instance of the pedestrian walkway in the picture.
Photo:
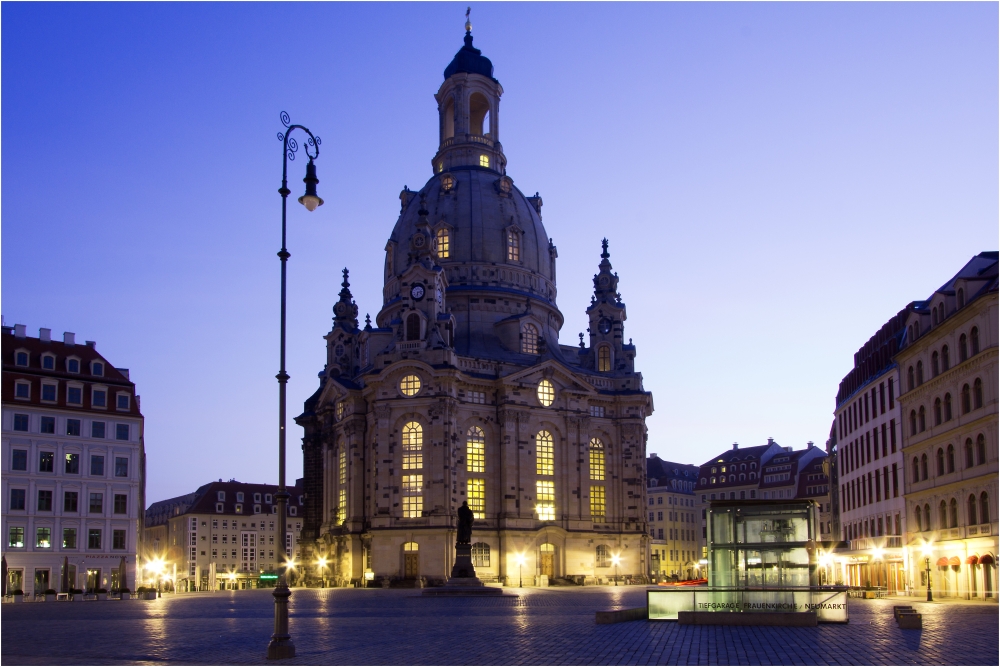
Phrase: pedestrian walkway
(535, 626)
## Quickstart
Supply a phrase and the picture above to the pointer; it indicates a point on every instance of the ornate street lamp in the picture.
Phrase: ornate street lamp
(927, 564)
(281, 646)
(520, 564)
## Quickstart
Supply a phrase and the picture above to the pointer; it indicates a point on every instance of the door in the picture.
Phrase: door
(411, 565)
(41, 581)
(547, 560)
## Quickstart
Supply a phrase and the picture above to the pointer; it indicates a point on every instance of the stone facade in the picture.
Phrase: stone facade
(672, 515)
(461, 391)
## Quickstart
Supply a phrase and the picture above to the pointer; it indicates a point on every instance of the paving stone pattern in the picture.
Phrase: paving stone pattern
(532, 626)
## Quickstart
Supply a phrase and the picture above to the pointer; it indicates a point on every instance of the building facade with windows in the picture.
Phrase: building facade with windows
(948, 364)
(672, 517)
(73, 466)
(461, 391)
(222, 536)
(870, 471)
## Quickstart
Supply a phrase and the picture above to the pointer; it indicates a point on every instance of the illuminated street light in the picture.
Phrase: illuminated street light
(321, 562)
(927, 548)
(616, 559)
(520, 563)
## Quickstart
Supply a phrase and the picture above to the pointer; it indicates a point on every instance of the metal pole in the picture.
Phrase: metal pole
(927, 562)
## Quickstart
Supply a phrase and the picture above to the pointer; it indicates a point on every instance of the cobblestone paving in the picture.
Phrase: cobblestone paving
(534, 626)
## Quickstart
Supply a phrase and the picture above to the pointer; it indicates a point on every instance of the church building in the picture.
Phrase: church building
(461, 391)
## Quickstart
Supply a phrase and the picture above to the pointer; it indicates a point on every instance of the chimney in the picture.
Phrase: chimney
(92, 344)
(69, 338)
(809, 445)
(770, 441)
(736, 446)
(20, 330)
(45, 335)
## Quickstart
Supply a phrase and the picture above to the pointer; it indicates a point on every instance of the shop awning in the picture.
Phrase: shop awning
(942, 562)
(986, 559)
(954, 560)
(971, 560)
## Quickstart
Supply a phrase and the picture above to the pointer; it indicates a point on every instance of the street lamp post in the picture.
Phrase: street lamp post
(281, 646)
(927, 564)
(520, 563)
(616, 560)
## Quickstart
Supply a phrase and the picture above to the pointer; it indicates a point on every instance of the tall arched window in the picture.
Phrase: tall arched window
(413, 446)
(920, 373)
(603, 358)
(937, 411)
(918, 518)
(544, 453)
(597, 459)
(913, 422)
(479, 108)
(413, 327)
(909, 379)
(443, 243)
(923, 466)
(953, 513)
(529, 339)
(966, 399)
(943, 515)
(969, 458)
(945, 359)
(927, 517)
(449, 118)
(916, 469)
(947, 407)
(951, 458)
(475, 450)
(984, 508)
(513, 246)
(342, 485)
(934, 365)
(940, 461)
(963, 348)
(977, 394)
(974, 336)
(972, 510)
(981, 449)
(922, 419)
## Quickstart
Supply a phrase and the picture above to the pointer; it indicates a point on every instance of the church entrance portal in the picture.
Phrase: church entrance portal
(548, 560)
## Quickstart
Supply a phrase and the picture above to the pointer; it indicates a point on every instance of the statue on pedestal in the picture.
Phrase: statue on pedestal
(463, 568)
(465, 520)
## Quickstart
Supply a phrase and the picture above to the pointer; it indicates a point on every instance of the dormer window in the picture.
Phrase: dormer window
(73, 365)
(48, 362)
(21, 358)
(122, 402)
(513, 245)
(256, 497)
(604, 359)
(220, 496)
(529, 339)
(443, 243)
(447, 182)
(267, 498)
(97, 368)
(239, 496)
(22, 390)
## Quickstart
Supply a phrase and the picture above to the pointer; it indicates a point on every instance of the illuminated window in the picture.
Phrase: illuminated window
(545, 494)
(603, 555)
(596, 460)
(342, 482)
(475, 450)
(484, 160)
(546, 393)
(440, 167)
(529, 339)
(413, 446)
(513, 246)
(597, 503)
(443, 243)
(340, 410)
(409, 385)
(480, 554)
(544, 457)
(476, 489)
(413, 500)
(604, 359)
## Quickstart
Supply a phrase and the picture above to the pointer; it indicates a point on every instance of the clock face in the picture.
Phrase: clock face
(339, 308)
(604, 326)
(418, 240)
(417, 292)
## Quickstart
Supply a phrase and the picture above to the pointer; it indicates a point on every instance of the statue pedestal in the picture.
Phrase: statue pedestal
(463, 568)
(463, 579)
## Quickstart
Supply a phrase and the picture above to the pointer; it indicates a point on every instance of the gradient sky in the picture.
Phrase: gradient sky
(776, 181)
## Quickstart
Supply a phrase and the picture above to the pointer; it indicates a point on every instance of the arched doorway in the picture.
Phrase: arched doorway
(547, 560)
(411, 560)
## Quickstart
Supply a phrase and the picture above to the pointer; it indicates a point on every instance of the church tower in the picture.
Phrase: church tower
(461, 390)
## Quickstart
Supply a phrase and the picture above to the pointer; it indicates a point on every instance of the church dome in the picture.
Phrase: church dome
(469, 60)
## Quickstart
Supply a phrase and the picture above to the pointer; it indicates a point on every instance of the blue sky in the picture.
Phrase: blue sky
(776, 181)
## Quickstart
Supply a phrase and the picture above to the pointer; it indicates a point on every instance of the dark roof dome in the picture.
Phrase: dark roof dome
(469, 59)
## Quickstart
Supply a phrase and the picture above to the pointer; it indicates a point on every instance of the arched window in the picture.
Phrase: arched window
(923, 466)
(969, 459)
(937, 411)
(732, 478)
(513, 246)
(603, 555)
(544, 453)
(913, 422)
(917, 518)
(413, 446)
(443, 243)
(479, 108)
(947, 407)
(480, 554)
(596, 459)
(934, 364)
(410, 547)
(966, 399)
(909, 379)
(984, 508)
(943, 515)
(972, 510)
(475, 450)
(413, 327)
(529, 339)
(743, 477)
(940, 461)
(953, 513)
(977, 394)
(920, 373)
(961, 297)
(951, 458)
(927, 517)
(449, 118)
(974, 335)
(916, 469)
(934, 316)
(922, 419)
(753, 476)
(603, 358)
(945, 359)
(963, 348)
(981, 449)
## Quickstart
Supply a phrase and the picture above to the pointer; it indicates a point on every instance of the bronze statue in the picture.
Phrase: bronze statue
(465, 519)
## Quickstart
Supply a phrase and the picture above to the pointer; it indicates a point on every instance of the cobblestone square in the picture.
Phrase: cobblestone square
(531, 626)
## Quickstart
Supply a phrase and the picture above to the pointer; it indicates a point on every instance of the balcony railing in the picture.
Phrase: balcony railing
(884, 542)
(469, 138)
